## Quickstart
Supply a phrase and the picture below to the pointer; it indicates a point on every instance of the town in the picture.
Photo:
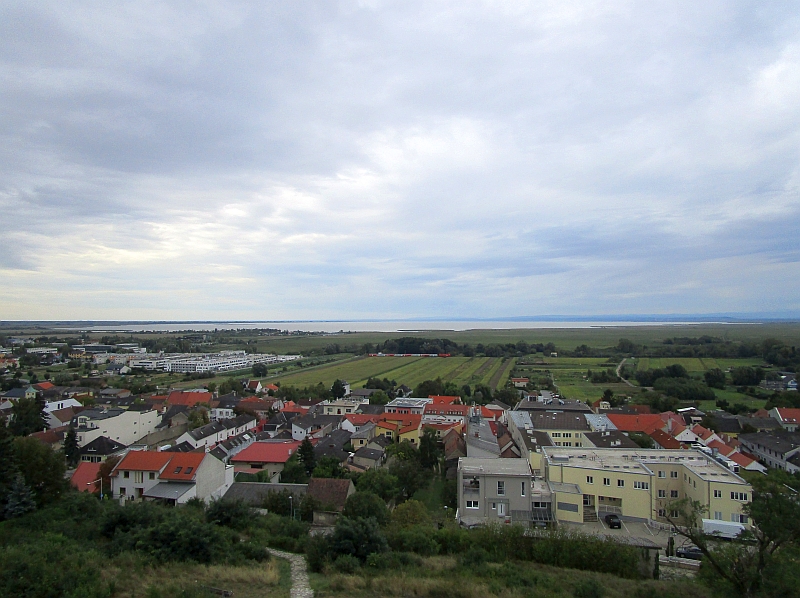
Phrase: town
(667, 486)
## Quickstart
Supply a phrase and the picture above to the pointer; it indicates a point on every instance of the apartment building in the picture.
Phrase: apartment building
(343, 406)
(122, 425)
(640, 484)
(407, 406)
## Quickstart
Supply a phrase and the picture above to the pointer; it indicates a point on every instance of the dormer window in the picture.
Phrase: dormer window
(178, 470)
(188, 470)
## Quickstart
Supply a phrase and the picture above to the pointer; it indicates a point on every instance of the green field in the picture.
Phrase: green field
(492, 371)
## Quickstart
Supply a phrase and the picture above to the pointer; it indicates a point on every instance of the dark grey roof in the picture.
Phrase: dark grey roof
(725, 422)
(207, 430)
(170, 413)
(555, 405)
(316, 420)
(381, 440)
(15, 393)
(363, 392)
(254, 493)
(779, 442)
(102, 446)
(368, 409)
(183, 447)
(610, 439)
(368, 453)
(228, 401)
(558, 420)
(332, 445)
(760, 423)
(169, 490)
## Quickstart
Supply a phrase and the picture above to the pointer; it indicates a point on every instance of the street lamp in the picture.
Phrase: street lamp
(291, 507)
(100, 479)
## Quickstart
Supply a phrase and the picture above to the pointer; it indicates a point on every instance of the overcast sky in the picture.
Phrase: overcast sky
(297, 160)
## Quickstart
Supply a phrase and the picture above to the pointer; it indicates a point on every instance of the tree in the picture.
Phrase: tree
(746, 376)
(294, 472)
(198, 417)
(358, 537)
(380, 482)
(429, 450)
(20, 499)
(378, 398)
(27, 417)
(71, 449)
(338, 390)
(104, 475)
(714, 378)
(306, 455)
(41, 467)
(329, 467)
(741, 566)
(642, 439)
(8, 464)
(364, 505)
(260, 370)
(410, 513)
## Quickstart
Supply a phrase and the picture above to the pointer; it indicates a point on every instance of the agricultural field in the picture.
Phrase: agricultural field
(492, 371)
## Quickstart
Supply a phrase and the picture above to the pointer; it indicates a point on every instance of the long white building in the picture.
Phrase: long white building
(208, 362)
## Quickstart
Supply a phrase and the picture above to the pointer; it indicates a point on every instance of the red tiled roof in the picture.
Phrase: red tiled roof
(636, 423)
(51, 436)
(190, 399)
(788, 415)
(271, 387)
(702, 432)
(253, 383)
(664, 440)
(267, 452)
(143, 461)
(444, 399)
(359, 419)
(404, 419)
(44, 386)
(188, 464)
(448, 409)
(85, 476)
(740, 459)
(723, 448)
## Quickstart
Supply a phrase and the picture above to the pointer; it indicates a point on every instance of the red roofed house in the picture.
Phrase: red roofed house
(704, 436)
(44, 385)
(789, 419)
(721, 447)
(636, 423)
(254, 386)
(85, 476)
(445, 400)
(746, 462)
(173, 478)
(446, 413)
(520, 382)
(353, 422)
(189, 399)
(292, 407)
(663, 440)
(266, 456)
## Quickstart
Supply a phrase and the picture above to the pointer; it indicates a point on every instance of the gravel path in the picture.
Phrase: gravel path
(300, 585)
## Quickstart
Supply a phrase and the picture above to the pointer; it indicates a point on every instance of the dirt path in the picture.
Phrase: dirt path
(619, 369)
(498, 375)
(300, 585)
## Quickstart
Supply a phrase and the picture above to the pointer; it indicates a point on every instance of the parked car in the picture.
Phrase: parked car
(613, 521)
(689, 552)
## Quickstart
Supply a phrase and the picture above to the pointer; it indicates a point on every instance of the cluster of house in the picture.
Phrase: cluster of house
(550, 460)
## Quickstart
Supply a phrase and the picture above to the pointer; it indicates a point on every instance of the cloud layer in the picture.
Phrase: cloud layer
(398, 159)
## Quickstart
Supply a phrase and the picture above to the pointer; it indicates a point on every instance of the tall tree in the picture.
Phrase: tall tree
(306, 455)
(42, 467)
(429, 449)
(8, 464)
(338, 390)
(27, 417)
(71, 448)
(20, 499)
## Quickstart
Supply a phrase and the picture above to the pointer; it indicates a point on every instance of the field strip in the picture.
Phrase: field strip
(470, 375)
(486, 365)
(439, 367)
(503, 372)
(404, 372)
(459, 371)
(489, 374)
(357, 369)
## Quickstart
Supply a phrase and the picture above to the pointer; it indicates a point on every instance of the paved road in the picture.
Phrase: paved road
(300, 585)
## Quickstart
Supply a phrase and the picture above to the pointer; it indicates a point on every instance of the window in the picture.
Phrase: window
(662, 512)
(523, 489)
(736, 518)
(556, 434)
(718, 515)
(673, 514)
(621, 483)
(567, 434)
(126, 474)
(673, 494)
(494, 505)
(589, 479)
(739, 496)
(177, 470)
(641, 485)
(188, 470)
(662, 474)
(673, 474)
(138, 477)
(717, 493)
(684, 477)
(501, 488)
(152, 475)
(606, 481)
(662, 494)
(472, 504)
(122, 490)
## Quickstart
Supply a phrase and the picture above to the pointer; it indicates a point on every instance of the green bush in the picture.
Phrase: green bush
(345, 563)
(357, 537)
(318, 549)
(393, 560)
(230, 513)
(413, 539)
(588, 588)
(364, 505)
(474, 557)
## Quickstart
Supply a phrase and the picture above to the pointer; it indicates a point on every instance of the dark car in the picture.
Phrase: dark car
(613, 521)
(689, 552)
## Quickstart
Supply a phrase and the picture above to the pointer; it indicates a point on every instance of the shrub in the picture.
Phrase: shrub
(588, 588)
(357, 537)
(410, 513)
(317, 549)
(474, 557)
(393, 560)
(365, 505)
(345, 563)
(413, 539)
(230, 513)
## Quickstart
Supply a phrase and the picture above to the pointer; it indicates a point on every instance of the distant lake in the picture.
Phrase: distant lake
(367, 326)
